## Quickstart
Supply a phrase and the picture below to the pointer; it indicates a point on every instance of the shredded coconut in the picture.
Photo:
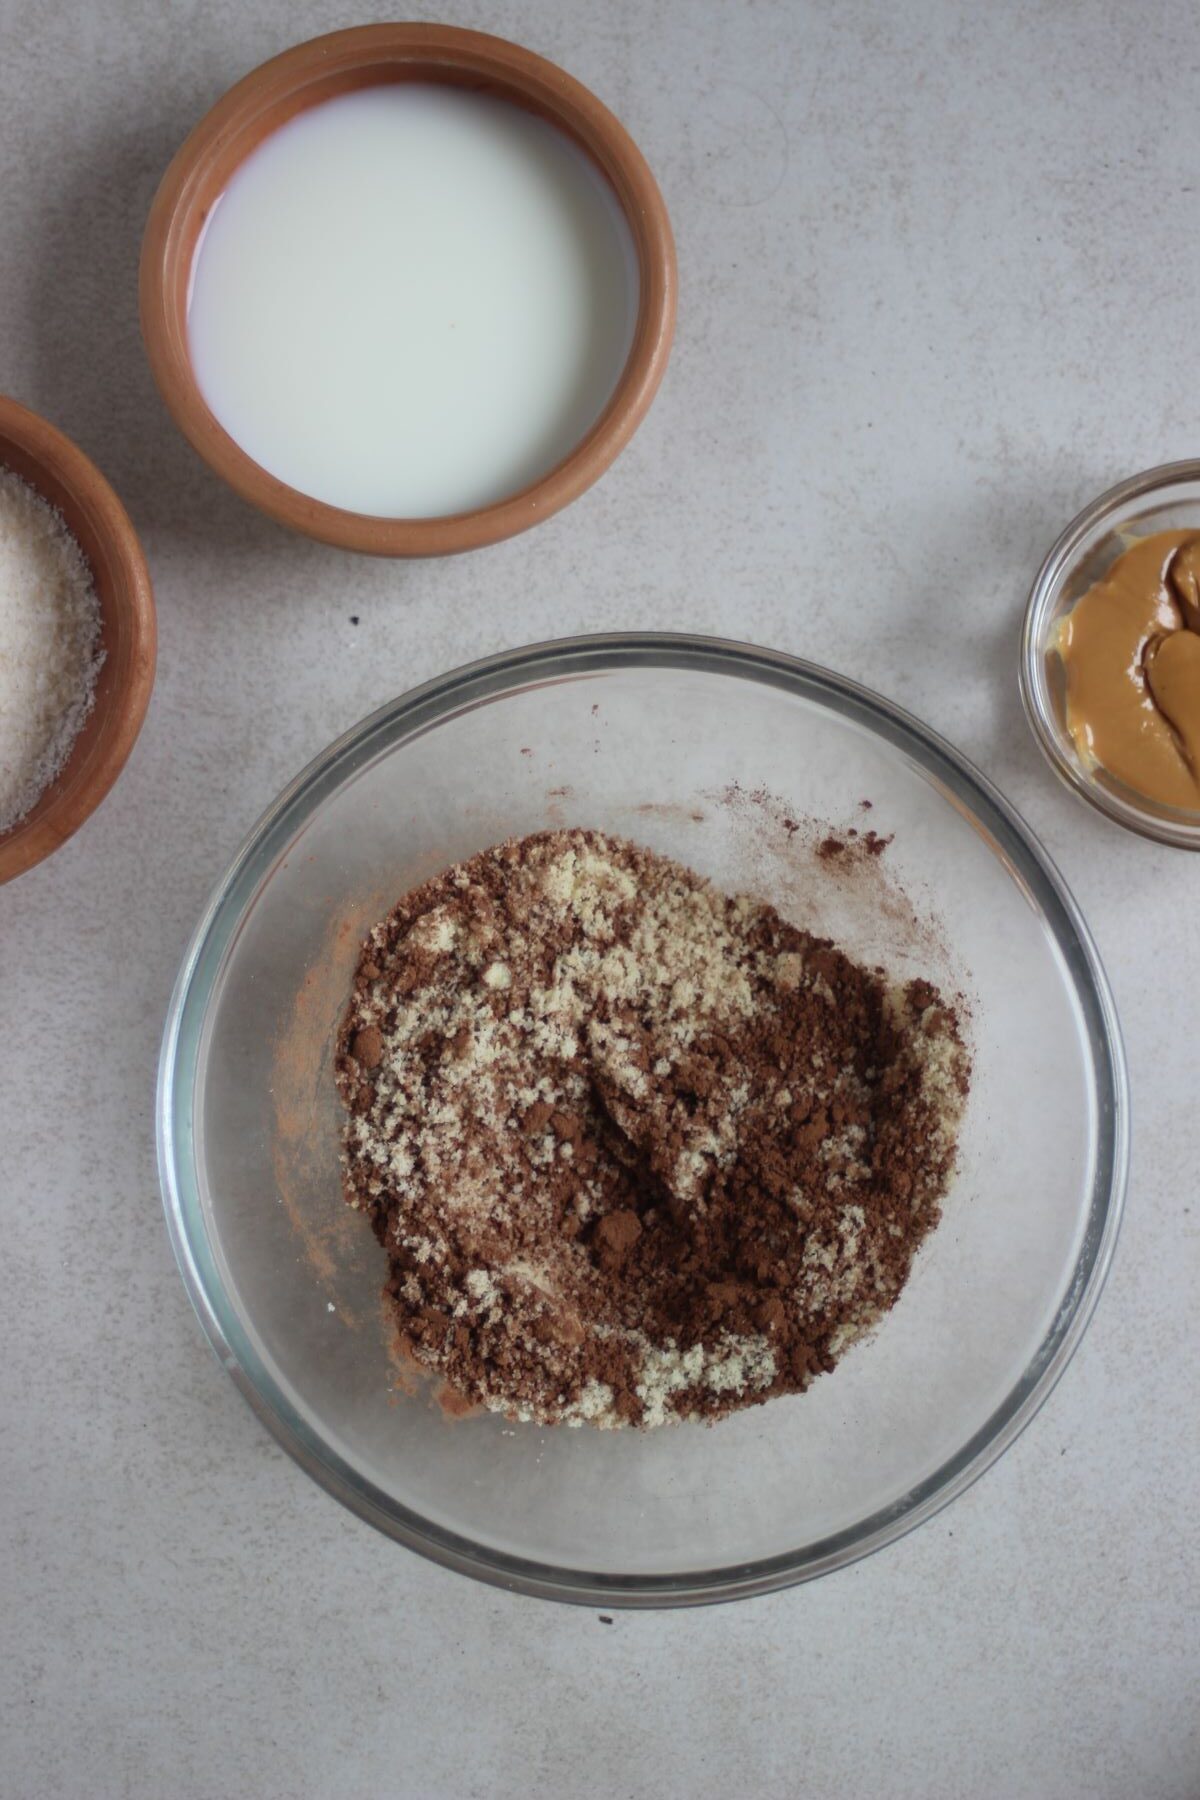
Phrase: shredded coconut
(50, 651)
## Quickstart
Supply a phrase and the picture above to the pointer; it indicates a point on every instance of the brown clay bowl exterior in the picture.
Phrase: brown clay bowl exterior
(59, 470)
(368, 56)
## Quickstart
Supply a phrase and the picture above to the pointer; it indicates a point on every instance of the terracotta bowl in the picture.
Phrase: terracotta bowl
(368, 56)
(60, 471)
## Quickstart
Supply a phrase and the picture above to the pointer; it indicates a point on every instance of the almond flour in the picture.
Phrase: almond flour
(637, 1150)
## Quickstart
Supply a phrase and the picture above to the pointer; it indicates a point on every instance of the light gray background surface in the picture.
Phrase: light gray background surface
(939, 274)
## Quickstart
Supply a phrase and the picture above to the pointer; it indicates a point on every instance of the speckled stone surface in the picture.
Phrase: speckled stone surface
(939, 269)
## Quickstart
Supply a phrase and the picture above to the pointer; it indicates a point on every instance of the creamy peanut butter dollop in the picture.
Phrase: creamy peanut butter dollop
(1130, 648)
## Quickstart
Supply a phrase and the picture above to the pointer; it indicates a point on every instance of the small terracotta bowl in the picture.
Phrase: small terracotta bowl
(60, 472)
(369, 56)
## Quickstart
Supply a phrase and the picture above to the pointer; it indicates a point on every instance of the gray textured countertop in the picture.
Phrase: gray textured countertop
(939, 269)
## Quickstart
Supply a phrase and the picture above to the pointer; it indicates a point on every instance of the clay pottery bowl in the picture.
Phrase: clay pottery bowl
(368, 56)
(62, 474)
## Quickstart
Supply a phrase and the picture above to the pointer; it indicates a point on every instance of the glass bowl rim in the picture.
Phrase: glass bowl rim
(492, 678)
(1171, 827)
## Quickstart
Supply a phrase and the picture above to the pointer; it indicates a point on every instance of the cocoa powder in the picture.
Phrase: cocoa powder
(637, 1150)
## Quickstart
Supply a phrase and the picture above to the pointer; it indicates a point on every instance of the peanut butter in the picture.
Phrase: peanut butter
(1130, 647)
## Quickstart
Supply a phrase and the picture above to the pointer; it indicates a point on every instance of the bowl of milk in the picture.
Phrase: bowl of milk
(409, 289)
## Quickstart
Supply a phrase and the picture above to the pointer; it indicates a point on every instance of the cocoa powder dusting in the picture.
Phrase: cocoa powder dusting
(637, 1150)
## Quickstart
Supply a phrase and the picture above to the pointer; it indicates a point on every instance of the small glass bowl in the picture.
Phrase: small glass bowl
(1162, 499)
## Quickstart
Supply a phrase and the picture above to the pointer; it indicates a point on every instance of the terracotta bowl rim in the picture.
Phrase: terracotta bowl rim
(319, 64)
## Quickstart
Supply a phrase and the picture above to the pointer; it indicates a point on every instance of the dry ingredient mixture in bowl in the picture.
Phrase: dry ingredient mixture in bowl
(638, 1150)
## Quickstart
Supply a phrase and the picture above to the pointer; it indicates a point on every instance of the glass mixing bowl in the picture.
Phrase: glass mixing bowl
(719, 754)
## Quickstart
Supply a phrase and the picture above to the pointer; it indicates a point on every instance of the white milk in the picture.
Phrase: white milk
(412, 300)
